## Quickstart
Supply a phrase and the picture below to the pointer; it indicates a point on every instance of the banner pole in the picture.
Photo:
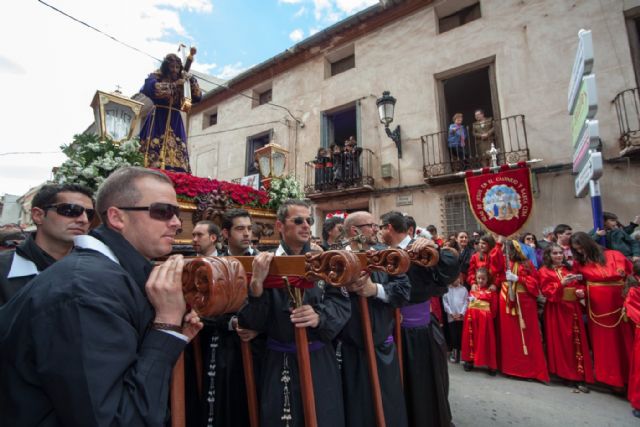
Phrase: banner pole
(494, 168)
(596, 208)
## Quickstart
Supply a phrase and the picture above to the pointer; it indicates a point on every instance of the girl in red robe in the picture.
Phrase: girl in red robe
(478, 331)
(567, 345)
(604, 272)
(632, 306)
(489, 256)
(521, 353)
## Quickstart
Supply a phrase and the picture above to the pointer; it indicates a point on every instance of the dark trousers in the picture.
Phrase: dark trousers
(455, 334)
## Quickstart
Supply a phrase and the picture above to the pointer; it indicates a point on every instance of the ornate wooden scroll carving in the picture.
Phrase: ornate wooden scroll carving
(338, 268)
(427, 257)
(391, 261)
(214, 286)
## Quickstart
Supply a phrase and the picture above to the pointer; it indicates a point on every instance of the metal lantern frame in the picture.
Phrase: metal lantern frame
(272, 160)
(99, 104)
(386, 109)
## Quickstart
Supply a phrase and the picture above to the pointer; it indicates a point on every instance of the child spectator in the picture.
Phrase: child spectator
(478, 333)
(455, 305)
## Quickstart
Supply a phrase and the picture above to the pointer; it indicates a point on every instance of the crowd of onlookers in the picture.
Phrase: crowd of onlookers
(556, 305)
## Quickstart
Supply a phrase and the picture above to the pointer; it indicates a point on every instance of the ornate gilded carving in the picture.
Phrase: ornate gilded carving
(213, 286)
(210, 207)
(427, 257)
(337, 268)
(391, 261)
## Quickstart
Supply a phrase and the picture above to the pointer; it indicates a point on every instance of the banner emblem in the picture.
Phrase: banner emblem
(501, 202)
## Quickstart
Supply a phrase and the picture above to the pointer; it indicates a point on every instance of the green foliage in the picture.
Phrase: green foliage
(91, 160)
(282, 189)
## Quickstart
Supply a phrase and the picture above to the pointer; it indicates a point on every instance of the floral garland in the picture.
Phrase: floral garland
(188, 187)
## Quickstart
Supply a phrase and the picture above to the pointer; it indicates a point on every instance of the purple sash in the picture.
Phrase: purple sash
(416, 315)
(290, 347)
(389, 340)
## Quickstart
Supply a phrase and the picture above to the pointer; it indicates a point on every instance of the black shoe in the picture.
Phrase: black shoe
(492, 372)
(468, 366)
(636, 413)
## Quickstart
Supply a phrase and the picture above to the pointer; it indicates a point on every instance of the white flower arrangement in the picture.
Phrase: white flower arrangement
(91, 160)
(282, 189)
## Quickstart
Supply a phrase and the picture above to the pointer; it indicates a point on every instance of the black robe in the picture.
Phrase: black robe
(359, 409)
(426, 375)
(223, 402)
(28, 250)
(76, 348)
(270, 313)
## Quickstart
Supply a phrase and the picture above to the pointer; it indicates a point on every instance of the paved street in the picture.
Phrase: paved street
(480, 400)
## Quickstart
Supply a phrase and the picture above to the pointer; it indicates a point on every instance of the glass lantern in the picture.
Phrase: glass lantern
(272, 160)
(116, 116)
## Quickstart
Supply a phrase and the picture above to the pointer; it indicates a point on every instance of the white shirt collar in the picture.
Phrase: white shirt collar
(90, 242)
(405, 242)
(280, 251)
(21, 267)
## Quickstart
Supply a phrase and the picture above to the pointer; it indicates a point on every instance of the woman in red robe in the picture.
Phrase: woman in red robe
(632, 306)
(489, 256)
(521, 353)
(604, 272)
(568, 352)
(478, 331)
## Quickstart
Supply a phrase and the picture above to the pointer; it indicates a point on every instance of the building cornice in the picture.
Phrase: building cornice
(352, 28)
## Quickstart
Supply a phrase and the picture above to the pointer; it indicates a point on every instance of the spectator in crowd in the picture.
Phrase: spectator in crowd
(616, 237)
(411, 226)
(484, 136)
(604, 272)
(464, 255)
(434, 235)
(530, 240)
(547, 238)
(457, 141)
(455, 305)
(520, 342)
(478, 333)
(562, 236)
(332, 232)
(568, 351)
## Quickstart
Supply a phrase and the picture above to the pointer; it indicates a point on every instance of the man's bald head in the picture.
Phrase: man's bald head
(354, 219)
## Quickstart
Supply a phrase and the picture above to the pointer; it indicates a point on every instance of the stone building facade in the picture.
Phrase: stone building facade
(511, 58)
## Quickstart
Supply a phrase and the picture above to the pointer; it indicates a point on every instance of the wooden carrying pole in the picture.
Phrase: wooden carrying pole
(372, 363)
(178, 412)
(336, 268)
(250, 383)
(398, 338)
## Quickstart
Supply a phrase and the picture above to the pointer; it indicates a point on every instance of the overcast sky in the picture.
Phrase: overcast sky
(51, 66)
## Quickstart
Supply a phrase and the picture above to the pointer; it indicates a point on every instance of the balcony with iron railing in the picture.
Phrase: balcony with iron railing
(441, 162)
(627, 104)
(343, 173)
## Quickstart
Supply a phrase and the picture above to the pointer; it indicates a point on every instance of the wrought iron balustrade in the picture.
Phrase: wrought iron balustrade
(342, 171)
(627, 104)
(508, 134)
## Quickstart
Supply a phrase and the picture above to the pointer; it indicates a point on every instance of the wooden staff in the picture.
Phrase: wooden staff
(250, 383)
(178, 412)
(365, 319)
(398, 338)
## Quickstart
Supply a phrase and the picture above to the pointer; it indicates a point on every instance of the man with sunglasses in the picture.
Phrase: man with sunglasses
(384, 293)
(426, 377)
(60, 213)
(324, 313)
(93, 339)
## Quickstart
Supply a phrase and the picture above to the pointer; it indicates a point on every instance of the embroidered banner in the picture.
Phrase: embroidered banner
(502, 202)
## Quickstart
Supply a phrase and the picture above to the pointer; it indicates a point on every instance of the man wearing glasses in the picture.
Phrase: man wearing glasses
(384, 293)
(324, 313)
(426, 377)
(93, 339)
(60, 213)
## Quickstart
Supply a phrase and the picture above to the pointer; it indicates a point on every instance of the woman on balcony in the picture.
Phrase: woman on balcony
(457, 141)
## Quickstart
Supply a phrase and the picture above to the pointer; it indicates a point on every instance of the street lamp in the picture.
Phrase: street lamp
(386, 106)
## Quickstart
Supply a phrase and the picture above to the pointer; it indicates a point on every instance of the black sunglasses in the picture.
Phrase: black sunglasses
(71, 210)
(300, 220)
(372, 225)
(159, 211)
